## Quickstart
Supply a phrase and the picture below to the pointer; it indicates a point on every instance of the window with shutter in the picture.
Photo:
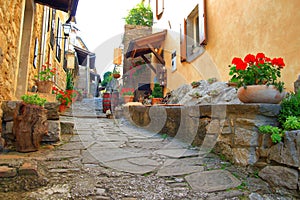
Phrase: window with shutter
(194, 33)
(59, 40)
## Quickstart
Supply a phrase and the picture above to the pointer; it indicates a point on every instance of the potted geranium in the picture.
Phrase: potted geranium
(45, 78)
(256, 78)
(128, 94)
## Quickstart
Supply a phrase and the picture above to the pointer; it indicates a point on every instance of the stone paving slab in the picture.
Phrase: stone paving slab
(177, 153)
(126, 166)
(212, 181)
(177, 170)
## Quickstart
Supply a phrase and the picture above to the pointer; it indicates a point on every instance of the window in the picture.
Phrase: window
(52, 37)
(193, 36)
(59, 40)
(36, 53)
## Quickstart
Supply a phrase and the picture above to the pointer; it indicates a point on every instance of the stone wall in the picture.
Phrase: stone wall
(144, 74)
(10, 19)
(229, 130)
(9, 108)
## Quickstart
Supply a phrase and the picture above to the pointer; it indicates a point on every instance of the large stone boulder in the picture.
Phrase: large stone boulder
(205, 93)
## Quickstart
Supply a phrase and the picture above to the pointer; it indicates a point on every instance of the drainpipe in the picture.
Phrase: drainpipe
(88, 74)
(43, 40)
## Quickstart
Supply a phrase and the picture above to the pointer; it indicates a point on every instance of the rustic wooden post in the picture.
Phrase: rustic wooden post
(30, 124)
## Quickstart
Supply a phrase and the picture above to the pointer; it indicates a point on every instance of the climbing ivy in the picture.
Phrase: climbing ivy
(140, 15)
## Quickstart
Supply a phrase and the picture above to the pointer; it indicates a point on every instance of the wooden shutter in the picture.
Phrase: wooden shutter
(183, 42)
(202, 23)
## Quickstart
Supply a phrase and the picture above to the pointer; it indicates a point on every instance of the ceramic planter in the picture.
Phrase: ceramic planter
(260, 94)
(128, 98)
(44, 86)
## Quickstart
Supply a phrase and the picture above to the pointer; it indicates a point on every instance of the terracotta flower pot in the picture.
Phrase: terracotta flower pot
(260, 94)
(128, 98)
(156, 100)
(116, 75)
(44, 86)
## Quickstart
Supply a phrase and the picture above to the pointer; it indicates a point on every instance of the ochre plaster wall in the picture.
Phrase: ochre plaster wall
(10, 22)
(234, 29)
(270, 26)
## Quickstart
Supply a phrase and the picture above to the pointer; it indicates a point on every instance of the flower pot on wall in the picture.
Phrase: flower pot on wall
(128, 98)
(156, 100)
(260, 94)
(44, 86)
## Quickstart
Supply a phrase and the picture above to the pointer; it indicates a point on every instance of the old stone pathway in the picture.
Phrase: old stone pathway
(111, 159)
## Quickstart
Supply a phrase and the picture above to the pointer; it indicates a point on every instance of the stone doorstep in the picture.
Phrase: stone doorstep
(28, 168)
(7, 172)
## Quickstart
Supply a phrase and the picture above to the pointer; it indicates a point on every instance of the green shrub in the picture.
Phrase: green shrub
(291, 123)
(290, 106)
(157, 91)
(276, 133)
(140, 15)
(33, 100)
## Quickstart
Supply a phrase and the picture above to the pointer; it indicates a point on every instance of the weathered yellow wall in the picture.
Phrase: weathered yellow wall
(269, 26)
(235, 28)
(10, 21)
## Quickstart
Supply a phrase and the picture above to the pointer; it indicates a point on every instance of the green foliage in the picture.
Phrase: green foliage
(140, 15)
(70, 84)
(291, 123)
(33, 100)
(157, 91)
(290, 106)
(276, 133)
(107, 77)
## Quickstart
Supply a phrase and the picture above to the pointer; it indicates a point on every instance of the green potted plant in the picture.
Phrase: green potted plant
(116, 73)
(127, 94)
(30, 123)
(256, 78)
(44, 79)
(157, 94)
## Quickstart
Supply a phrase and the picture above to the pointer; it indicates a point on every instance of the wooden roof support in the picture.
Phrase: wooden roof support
(148, 63)
(160, 59)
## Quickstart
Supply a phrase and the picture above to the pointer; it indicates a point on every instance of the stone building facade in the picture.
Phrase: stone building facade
(31, 34)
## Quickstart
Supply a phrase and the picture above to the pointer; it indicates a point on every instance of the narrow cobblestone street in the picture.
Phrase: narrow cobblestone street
(111, 159)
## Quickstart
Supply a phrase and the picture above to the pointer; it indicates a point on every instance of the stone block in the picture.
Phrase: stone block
(245, 137)
(67, 127)
(7, 172)
(28, 168)
(8, 108)
(53, 112)
(245, 156)
(288, 151)
(8, 128)
(280, 176)
(53, 132)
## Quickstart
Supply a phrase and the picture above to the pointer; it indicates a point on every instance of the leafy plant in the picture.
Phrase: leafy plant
(107, 77)
(276, 133)
(47, 73)
(127, 91)
(33, 99)
(157, 91)
(70, 84)
(291, 123)
(290, 106)
(256, 70)
(140, 15)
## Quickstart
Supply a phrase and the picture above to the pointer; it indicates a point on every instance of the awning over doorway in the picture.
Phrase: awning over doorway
(148, 44)
(82, 55)
(63, 5)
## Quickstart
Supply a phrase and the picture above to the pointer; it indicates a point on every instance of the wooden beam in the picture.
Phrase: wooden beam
(160, 59)
(148, 63)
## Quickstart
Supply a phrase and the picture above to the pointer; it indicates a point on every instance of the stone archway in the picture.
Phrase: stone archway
(24, 49)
